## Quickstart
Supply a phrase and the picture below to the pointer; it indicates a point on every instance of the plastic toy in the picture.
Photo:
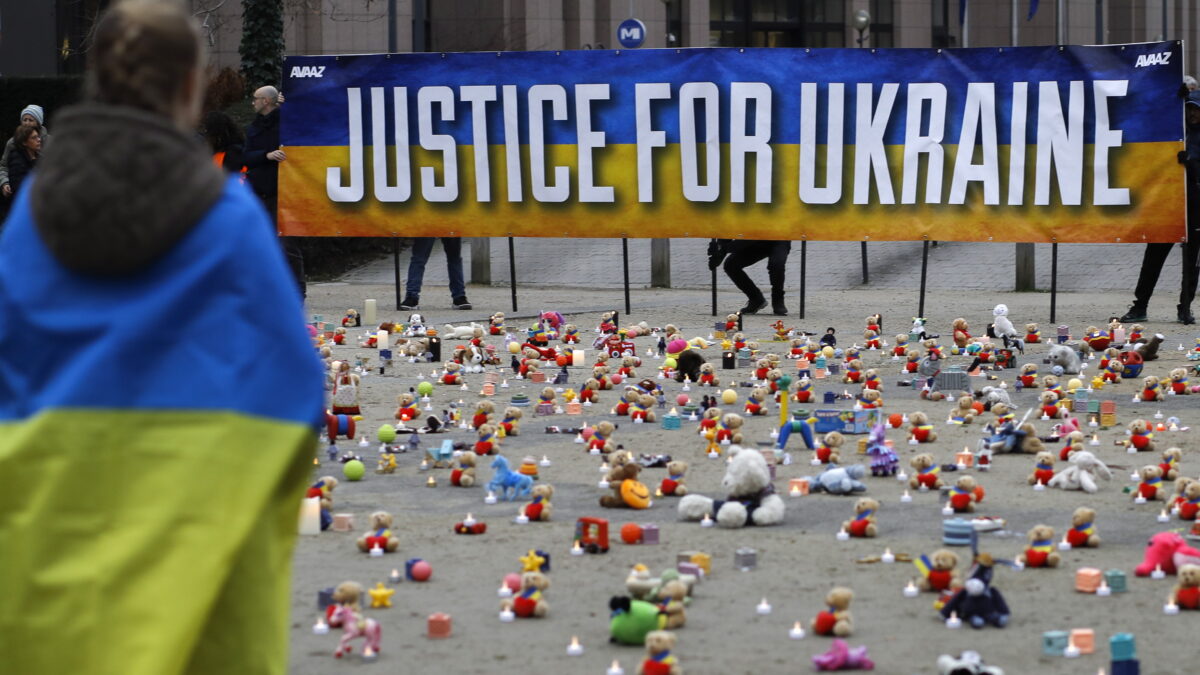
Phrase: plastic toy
(884, 461)
(381, 596)
(508, 483)
(632, 620)
(591, 535)
(347, 613)
(842, 656)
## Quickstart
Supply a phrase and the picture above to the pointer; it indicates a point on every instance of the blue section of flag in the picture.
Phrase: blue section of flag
(1032, 9)
(191, 332)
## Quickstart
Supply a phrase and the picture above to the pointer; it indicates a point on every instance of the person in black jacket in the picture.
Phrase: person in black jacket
(27, 146)
(744, 253)
(261, 156)
(225, 140)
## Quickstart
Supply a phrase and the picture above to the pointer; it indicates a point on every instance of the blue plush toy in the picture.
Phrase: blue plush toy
(840, 480)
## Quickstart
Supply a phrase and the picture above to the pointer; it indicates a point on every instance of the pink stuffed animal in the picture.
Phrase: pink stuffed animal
(1169, 551)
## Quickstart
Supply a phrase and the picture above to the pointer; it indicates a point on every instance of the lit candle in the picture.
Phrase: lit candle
(362, 443)
(604, 467)
(506, 615)
(574, 649)
(707, 522)
(954, 621)
(579, 438)
(1158, 573)
(504, 591)
(1071, 652)
(1158, 415)
(469, 521)
(1103, 591)
(504, 384)
(713, 454)
(576, 549)
(843, 535)
(376, 552)
(394, 577)
(794, 492)
(1139, 500)
(797, 631)
(522, 519)
(432, 482)
(1039, 486)
(369, 654)
(901, 476)
(1163, 517)
(424, 465)
(490, 498)
(1095, 440)
(905, 498)
(1171, 609)
(911, 590)
(815, 462)
(1064, 545)
(603, 484)
(320, 627)
(763, 607)
(887, 556)
(615, 669)
(948, 510)
(310, 516)
(545, 461)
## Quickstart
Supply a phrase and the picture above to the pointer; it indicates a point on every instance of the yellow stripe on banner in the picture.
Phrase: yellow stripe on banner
(1148, 170)
(148, 543)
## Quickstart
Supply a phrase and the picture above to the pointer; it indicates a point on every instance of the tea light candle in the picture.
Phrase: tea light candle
(911, 590)
(394, 577)
(579, 438)
(363, 442)
(1163, 517)
(1171, 609)
(424, 465)
(1158, 573)
(1064, 545)
(794, 492)
(506, 615)
(604, 467)
(320, 627)
(574, 649)
(887, 556)
(504, 384)
(906, 498)
(901, 476)
(576, 549)
(1095, 440)
(1039, 486)
(1158, 415)
(615, 669)
(595, 452)
(490, 498)
(504, 591)
(545, 461)
(948, 510)
(369, 654)
(1071, 652)
(521, 518)
(1103, 590)
(713, 454)
(843, 535)
(815, 462)
(797, 631)
(763, 608)
(376, 552)
(923, 488)
(954, 621)
(603, 484)
(707, 522)
(1139, 500)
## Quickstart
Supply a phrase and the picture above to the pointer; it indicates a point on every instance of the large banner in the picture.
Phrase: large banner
(1034, 144)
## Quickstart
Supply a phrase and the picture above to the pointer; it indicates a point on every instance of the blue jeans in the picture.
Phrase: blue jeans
(421, 248)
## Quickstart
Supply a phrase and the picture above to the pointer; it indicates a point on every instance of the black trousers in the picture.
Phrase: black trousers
(290, 245)
(1156, 255)
(746, 253)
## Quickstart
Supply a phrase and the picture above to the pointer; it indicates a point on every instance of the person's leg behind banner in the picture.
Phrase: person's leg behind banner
(454, 270)
(744, 254)
(421, 248)
(1152, 264)
(777, 272)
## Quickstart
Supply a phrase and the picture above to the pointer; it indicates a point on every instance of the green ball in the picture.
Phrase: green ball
(387, 433)
(354, 470)
(425, 388)
(669, 362)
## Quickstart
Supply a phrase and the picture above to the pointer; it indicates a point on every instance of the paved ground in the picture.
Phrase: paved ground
(596, 263)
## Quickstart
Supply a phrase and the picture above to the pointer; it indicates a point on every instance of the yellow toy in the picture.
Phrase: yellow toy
(532, 562)
(387, 463)
(381, 596)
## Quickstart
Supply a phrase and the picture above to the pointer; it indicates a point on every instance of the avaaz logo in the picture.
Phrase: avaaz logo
(308, 71)
(1159, 59)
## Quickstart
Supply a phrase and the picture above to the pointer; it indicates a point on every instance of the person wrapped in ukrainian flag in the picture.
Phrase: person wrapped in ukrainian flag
(152, 472)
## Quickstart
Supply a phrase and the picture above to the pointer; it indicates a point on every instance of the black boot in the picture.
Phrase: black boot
(778, 306)
(1137, 312)
(754, 304)
(1185, 315)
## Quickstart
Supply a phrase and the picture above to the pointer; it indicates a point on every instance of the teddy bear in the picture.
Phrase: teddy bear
(774, 375)
(1040, 552)
(827, 451)
(928, 473)
(760, 369)
(1081, 473)
(628, 365)
(1151, 389)
(913, 361)
(570, 334)
(672, 598)
(511, 422)
(964, 413)
(547, 396)
(961, 335)
(921, 429)
(483, 413)
(709, 421)
(939, 573)
(587, 393)
(864, 523)
(871, 339)
(379, 535)
(836, 620)
(1186, 593)
(1073, 441)
(1051, 383)
(751, 498)
(739, 340)
(708, 377)
(463, 473)
(673, 485)
(1150, 488)
(1187, 498)
(406, 407)
(1179, 381)
(1083, 529)
(804, 392)
(452, 374)
(1140, 436)
(601, 359)
(1043, 469)
(1028, 376)
(641, 407)
(1170, 463)
(539, 506)
(659, 660)
(1032, 334)
(600, 375)
(627, 492)
(729, 428)
(965, 494)
(756, 402)
(1050, 409)
(602, 437)
(529, 601)
(853, 371)
(487, 443)
(531, 364)
(1065, 357)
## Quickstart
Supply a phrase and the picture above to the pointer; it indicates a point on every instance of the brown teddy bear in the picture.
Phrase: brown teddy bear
(1030, 444)
(730, 428)
(379, 534)
(587, 393)
(1186, 593)
(871, 339)
(1170, 463)
(962, 337)
(854, 372)
(463, 473)
(452, 374)
(531, 365)
(1073, 443)
(1139, 436)
(709, 421)
(1032, 334)
(601, 439)
(483, 413)
(1151, 487)
(511, 422)
(1028, 376)
(406, 407)
(756, 402)
(869, 399)
(627, 491)
(1050, 383)
(1043, 469)
(828, 452)
(836, 620)
(672, 598)
(761, 367)
(1151, 389)
(487, 444)
(1040, 552)
(942, 575)
(921, 429)
(659, 660)
(1083, 529)
(600, 374)
(708, 376)
(912, 360)
(539, 506)
(1050, 408)
(965, 412)
(1187, 498)
(529, 602)
(628, 367)
(864, 523)
(964, 495)
(673, 485)
(642, 408)
(928, 473)
(1179, 382)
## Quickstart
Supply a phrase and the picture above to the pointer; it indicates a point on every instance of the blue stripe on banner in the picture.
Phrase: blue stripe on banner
(163, 338)
(316, 113)
(1033, 6)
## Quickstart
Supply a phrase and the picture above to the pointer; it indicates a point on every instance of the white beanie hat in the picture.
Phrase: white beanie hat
(34, 111)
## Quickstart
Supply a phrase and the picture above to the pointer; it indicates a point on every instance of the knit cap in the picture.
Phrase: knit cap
(34, 111)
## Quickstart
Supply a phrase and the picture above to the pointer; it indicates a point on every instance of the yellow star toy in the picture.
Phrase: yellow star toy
(381, 596)
(532, 562)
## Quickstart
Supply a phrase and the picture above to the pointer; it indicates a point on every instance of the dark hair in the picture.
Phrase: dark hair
(221, 131)
(21, 136)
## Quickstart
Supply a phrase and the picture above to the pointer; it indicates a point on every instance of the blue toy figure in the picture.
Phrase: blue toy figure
(508, 484)
(786, 429)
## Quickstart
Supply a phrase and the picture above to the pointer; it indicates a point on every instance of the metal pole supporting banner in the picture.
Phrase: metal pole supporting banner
(512, 273)
(866, 272)
(396, 265)
(714, 291)
(625, 262)
(803, 272)
(1053, 281)
(924, 270)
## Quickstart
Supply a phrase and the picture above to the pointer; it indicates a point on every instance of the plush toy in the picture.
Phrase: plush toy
(709, 421)
(913, 361)
(463, 473)
(1028, 377)
(751, 497)
(1097, 339)
(640, 585)
(1073, 442)
(756, 402)
(1167, 551)
(483, 414)
(1186, 593)
(1032, 334)
(587, 393)
(1170, 463)
(379, 534)
(601, 360)
(864, 523)
(602, 437)
(1188, 499)
(673, 485)
(1040, 552)
(511, 422)
(961, 334)
(965, 494)
(1179, 381)
(570, 334)
(928, 473)
(547, 397)
(659, 660)
(1043, 469)
(964, 412)
(1001, 325)
(672, 599)
(1135, 333)
(1065, 357)
(1140, 436)
(871, 339)
(474, 330)
(1083, 529)
(730, 428)
(938, 571)
(804, 392)
(708, 377)
(871, 380)
(539, 507)
(1151, 389)
(901, 346)
(452, 375)
(1050, 409)
(487, 443)
(344, 389)
(529, 601)
(323, 490)
(600, 375)
(627, 491)
(853, 371)
(1081, 473)
(840, 480)
(921, 429)
(836, 620)
(641, 407)
(628, 367)
(827, 451)
(1150, 487)
(687, 365)
(977, 603)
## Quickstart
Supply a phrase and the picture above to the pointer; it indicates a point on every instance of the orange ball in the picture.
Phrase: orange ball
(895, 419)
(562, 360)
(631, 533)
(977, 406)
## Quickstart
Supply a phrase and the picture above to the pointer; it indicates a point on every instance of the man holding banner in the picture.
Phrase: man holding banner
(742, 254)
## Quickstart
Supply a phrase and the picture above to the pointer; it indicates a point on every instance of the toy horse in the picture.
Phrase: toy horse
(884, 461)
(355, 626)
(508, 484)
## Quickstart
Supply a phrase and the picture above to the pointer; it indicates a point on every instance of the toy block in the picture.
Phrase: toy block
(491, 377)
(544, 409)
(1123, 647)
(439, 625)
(1093, 407)
(670, 422)
(689, 568)
(649, 534)
(819, 373)
(1127, 667)
(798, 485)
(1108, 420)
(1087, 579)
(537, 376)
(1108, 407)
(1116, 580)
(703, 561)
(324, 598)
(1078, 406)
(745, 559)
(964, 457)
(1054, 642)
(574, 408)
(830, 397)
(1084, 640)
(489, 389)
(343, 522)
(957, 532)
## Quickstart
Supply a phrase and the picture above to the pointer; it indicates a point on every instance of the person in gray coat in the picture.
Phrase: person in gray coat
(31, 116)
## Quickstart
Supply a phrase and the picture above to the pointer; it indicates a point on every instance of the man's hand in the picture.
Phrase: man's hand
(716, 254)
(277, 156)
(7, 190)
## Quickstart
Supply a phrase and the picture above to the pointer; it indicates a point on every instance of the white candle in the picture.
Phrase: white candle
(522, 519)
(887, 556)
(900, 475)
(797, 631)
(1071, 652)
(763, 608)
(376, 552)
(1163, 517)
(615, 669)
(1158, 573)
(905, 498)
(574, 649)
(1139, 500)
(843, 535)
(954, 621)
(707, 522)
(1039, 486)
(369, 311)
(506, 615)
(815, 462)
(911, 591)
(1064, 545)
(577, 358)
(320, 627)
(381, 339)
(504, 591)
(576, 549)
(310, 516)
(1103, 591)
(948, 510)
(469, 521)
(490, 498)
(545, 461)
(603, 484)
(1170, 609)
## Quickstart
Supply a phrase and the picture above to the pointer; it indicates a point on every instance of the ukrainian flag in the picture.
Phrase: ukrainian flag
(156, 431)
(923, 565)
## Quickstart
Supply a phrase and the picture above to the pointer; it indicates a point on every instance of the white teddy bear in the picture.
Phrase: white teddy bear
(463, 332)
(1001, 326)
(1082, 472)
(751, 501)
